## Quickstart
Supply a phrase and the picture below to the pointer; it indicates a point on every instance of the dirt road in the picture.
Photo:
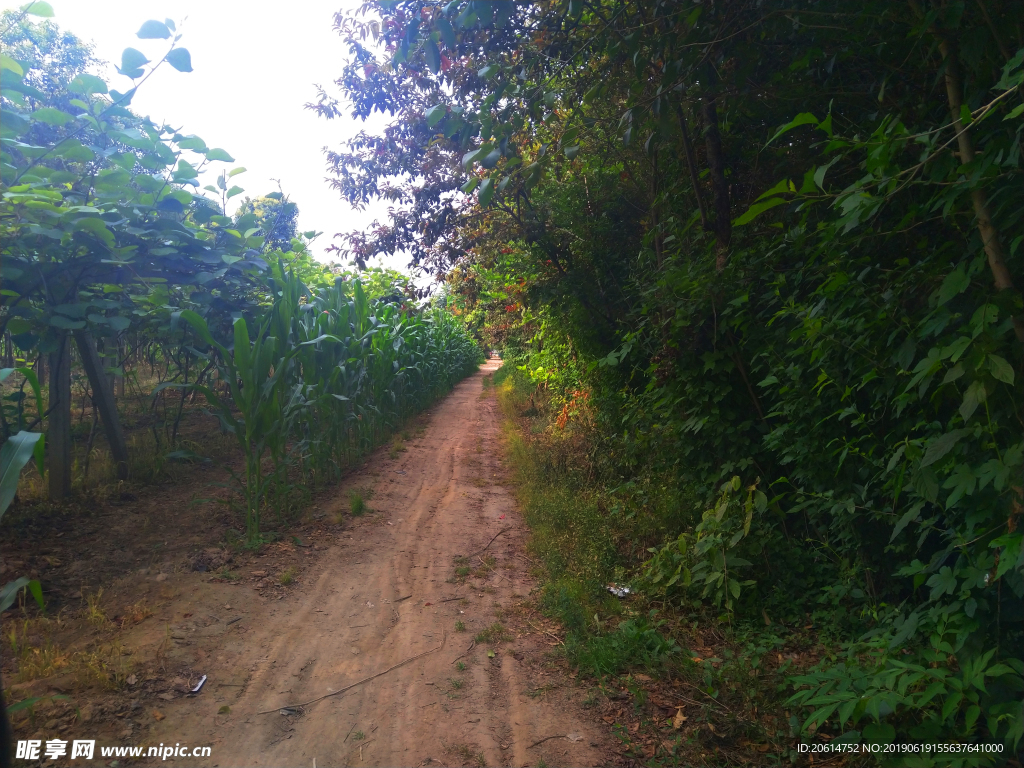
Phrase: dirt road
(395, 588)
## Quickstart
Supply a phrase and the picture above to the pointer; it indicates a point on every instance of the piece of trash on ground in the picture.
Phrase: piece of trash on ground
(574, 737)
(202, 681)
(619, 590)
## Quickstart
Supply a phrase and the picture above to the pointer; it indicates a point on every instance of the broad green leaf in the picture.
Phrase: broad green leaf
(86, 84)
(757, 209)
(15, 453)
(153, 30)
(447, 32)
(804, 118)
(235, 171)
(192, 142)
(6, 62)
(1001, 370)
(432, 55)
(470, 185)
(435, 114)
(974, 396)
(486, 192)
(180, 59)
(489, 71)
(942, 445)
(219, 154)
(235, 191)
(571, 152)
(51, 116)
(956, 282)
(9, 593)
(59, 321)
(132, 60)
(38, 8)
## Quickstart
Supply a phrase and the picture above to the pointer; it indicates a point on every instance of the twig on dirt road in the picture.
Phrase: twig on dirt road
(547, 738)
(361, 749)
(444, 637)
(549, 634)
(471, 647)
(503, 530)
(449, 599)
(713, 701)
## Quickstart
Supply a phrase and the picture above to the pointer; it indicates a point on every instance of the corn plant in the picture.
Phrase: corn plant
(330, 374)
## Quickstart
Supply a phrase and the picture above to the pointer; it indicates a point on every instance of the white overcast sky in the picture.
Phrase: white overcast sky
(255, 66)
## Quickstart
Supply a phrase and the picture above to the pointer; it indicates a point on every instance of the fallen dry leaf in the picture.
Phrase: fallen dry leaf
(679, 719)
(158, 715)
(131, 679)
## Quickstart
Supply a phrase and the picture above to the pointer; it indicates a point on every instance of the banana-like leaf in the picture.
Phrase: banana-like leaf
(15, 453)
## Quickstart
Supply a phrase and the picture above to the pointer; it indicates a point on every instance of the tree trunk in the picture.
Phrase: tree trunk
(994, 251)
(691, 165)
(103, 399)
(722, 223)
(58, 432)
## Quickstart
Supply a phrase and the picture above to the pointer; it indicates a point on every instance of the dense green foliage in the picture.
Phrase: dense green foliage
(107, 243)
(757, 258)
(329, 375)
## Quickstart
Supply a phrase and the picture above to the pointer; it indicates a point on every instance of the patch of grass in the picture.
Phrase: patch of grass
(496, 633)
(94, 611)
(36, 656)
(466, 754)
(460, 666)
(224, 573)
(456, 683)
(287, 576)
(136, 614)
(397, 448)
(634, 643)
(460, 627)
(358, 736)
(356, 503)
(463, 571)
(224, 710)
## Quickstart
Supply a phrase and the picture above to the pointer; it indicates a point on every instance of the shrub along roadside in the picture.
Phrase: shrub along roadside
(584, 538)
